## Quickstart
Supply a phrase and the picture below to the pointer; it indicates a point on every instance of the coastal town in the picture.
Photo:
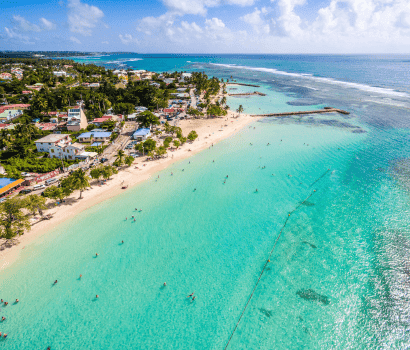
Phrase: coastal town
(66, 126)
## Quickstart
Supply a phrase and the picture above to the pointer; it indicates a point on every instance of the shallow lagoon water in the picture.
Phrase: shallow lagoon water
(337, 278)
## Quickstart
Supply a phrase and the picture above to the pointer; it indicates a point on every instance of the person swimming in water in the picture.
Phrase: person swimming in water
(55, 282)
(3, 318)
(190, 295)
(122, 242)
(193, 298)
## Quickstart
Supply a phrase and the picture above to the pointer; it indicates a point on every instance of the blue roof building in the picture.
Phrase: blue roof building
(95, 135)
(141, 134)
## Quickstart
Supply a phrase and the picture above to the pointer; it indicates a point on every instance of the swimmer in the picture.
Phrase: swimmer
(97, 296)
(256, 190)
(122, 242)
(3, 318)
(136, 209)
(165, 284)
(132, 216)
(55, 282)
(1, 300)
(17, 300)
(96, 254)
(140, 209)
(81, 276)
(134, 219)
(5, 335)
(183, 169)
(193, 298)
(6, 303)
(194, 189)
(126, 218)
(190, 295)
(172, 174)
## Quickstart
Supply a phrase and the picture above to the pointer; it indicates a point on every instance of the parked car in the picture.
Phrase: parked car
(103, 160)
(26, 190)
(39, 187)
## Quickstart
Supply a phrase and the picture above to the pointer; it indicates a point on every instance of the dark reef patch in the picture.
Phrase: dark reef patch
(311, 295)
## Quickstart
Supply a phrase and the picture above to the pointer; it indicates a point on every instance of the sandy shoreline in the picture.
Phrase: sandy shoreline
(209, 131)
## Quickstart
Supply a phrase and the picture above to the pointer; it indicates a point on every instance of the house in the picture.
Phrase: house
(185, 76)
(76, 119)
(157, 85)
(94, 85)
(46, 143)
(60, 73)
(46, 126)
(104, 118)
(96, 76)
(25, 92)
(6, 76)
(67, 66)
(10, 114)
(181, 89)
(67, 151)
(85, 84)
(141, 134)
(95, 136)
(140, 109)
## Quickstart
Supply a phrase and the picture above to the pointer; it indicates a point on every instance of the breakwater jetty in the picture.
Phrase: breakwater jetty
(242, 84)
(325, 110)
(248, 94)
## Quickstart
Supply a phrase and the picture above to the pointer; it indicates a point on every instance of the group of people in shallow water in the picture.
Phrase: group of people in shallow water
(5, 303)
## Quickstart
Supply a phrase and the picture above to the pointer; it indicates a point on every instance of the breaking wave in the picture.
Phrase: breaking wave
(363, 87)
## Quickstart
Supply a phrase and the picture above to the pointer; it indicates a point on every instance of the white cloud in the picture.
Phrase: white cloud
(23, 25)
(82, 18)
(11, 34)
(150, 25)
(104, 42)
(127, 38)
(340, 26)
(47, 24)
(75, 40)
(199, 7)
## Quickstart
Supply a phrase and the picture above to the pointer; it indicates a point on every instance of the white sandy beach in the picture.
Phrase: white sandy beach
(209, 131)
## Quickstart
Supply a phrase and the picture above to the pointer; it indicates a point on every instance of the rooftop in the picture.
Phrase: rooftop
(141, 132)
(95, 134)
(52, 138)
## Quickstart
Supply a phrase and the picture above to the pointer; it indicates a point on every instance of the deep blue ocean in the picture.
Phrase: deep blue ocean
(322, 246)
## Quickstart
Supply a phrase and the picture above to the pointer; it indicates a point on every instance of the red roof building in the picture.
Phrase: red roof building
(15, 106)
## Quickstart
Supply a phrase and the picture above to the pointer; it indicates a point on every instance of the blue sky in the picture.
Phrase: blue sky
(208, 26)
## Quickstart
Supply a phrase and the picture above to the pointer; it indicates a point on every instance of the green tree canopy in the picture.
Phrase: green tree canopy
(13, 221)
(192, 135)
(146, 119)
(79, 181)
(35, 203)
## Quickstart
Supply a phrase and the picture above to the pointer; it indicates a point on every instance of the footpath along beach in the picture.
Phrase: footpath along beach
(210, 131)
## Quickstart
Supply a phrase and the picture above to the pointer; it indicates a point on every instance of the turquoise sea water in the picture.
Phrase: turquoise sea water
(338, 276)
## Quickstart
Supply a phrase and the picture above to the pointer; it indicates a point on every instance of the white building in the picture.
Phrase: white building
(50, 141)
(76, 119)
(69, 151)
(60, 73)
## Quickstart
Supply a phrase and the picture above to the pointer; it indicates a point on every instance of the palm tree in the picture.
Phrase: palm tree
(120, 156)
(35, 203)
(79, 181)
(223, 101)
(240, 109)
